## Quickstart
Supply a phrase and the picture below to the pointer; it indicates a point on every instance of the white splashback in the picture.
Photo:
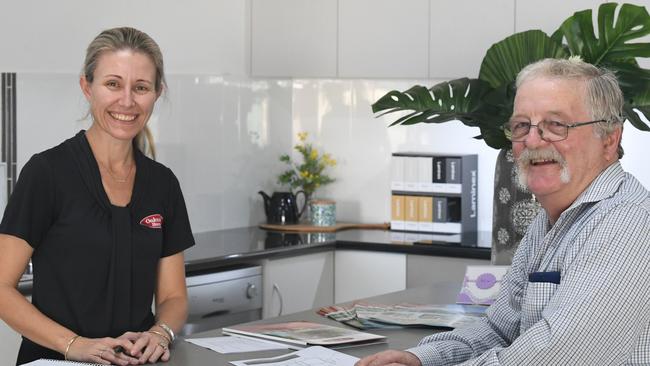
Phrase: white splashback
(338, 116)
(222, 136)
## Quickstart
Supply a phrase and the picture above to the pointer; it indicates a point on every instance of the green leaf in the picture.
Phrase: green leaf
(634, 118)
(615, 34)
(614, 49)
(417, 99)
(446, 101)
(506, 58)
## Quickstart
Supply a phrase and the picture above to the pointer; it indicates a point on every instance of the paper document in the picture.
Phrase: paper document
(311, 356)
(46, 362)
(235, 344)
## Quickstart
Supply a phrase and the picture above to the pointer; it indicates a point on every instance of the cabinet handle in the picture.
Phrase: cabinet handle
(277, 289)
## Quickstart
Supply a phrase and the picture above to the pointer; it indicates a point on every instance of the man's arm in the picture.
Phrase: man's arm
(499, 329)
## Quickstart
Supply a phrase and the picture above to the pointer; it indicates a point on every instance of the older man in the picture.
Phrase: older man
(578, 290)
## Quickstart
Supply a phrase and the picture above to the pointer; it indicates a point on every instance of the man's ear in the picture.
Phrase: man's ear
(85, 87)
(611, 142)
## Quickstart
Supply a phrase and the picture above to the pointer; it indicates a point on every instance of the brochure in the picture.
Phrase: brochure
(304, 333)
(372, 316)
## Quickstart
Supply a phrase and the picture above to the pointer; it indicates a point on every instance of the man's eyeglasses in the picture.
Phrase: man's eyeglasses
(550, 131)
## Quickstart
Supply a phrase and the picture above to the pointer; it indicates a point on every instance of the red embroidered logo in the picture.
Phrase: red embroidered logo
(152, 221)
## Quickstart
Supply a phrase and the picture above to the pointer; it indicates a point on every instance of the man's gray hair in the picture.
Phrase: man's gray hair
(604, 97)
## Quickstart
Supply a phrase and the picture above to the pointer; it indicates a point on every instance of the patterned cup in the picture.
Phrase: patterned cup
(322, 212)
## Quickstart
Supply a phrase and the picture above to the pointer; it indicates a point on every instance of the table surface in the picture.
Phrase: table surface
(188, 354)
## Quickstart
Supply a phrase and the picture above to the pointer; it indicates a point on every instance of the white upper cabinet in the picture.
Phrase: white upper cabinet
(383, 38)
(463, 30)
(196, 37)
(548, 18)
(294, 38)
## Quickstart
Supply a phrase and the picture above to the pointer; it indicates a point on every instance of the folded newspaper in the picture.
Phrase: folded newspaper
(373, 316)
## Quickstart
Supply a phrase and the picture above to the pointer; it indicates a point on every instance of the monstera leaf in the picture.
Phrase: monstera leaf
(456, 99)
(506, 58)
(614, 49)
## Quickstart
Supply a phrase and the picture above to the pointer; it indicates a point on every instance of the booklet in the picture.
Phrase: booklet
(447, 316)
(304, 333)
(371, 316)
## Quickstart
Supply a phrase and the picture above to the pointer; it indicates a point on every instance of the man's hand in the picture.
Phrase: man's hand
(390, 357)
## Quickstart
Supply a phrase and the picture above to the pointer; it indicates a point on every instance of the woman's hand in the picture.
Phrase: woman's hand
(105, 351)
(147, 346)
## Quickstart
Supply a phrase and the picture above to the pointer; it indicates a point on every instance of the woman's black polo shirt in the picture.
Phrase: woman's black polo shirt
(94, 263)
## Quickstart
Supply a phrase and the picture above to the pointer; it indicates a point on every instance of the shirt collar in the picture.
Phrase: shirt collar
(604, 186)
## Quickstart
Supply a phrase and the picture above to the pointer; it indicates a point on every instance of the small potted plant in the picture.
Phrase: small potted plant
(308, 175)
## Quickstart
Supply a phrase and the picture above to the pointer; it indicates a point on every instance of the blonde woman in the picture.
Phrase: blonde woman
(104, 225)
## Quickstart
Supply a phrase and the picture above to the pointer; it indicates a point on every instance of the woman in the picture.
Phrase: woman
(105, 225)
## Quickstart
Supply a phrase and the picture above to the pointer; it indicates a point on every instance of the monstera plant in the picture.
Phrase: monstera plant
(486, 102)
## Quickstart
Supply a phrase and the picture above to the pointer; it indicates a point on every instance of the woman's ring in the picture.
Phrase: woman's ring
(102, 353)
(163, 346)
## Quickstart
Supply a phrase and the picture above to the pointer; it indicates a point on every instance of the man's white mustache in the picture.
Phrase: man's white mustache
(529, 155)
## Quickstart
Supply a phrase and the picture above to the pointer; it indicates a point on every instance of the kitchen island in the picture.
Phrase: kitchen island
(187, 354)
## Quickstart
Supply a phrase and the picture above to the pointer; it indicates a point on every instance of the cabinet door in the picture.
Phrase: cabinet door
(9, 343)
(293, 38)
(383, 38)
(549, 17)
(298, 283)
(423, 270)
(462, 31)
(360, 274)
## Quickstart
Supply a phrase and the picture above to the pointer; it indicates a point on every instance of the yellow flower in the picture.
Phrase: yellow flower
(314, 154)
(327, 159)
(302, 136)
(304, 173)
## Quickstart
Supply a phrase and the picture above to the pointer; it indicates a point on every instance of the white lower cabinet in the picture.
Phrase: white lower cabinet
(298, 283)
(9, 343)
(361, 274)
(422, 270)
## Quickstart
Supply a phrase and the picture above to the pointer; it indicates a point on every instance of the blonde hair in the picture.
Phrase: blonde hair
(127, 38)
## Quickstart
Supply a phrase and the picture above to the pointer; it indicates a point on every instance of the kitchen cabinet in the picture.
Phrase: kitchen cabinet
(293, 38)
(297, 283)
(423, 270)
(9, 343)
(360, 274)
(461, 31)
(383, 38)
(549, 17)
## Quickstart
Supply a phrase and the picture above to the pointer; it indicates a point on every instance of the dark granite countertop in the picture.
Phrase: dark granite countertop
(223, 249)
(215, 249)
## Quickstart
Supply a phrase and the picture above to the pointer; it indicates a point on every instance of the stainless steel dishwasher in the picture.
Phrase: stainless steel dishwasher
(223, 298)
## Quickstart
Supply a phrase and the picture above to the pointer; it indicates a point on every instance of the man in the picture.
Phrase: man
(578, 290)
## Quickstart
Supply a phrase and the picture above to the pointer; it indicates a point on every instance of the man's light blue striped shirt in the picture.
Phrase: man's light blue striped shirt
(599, 313)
